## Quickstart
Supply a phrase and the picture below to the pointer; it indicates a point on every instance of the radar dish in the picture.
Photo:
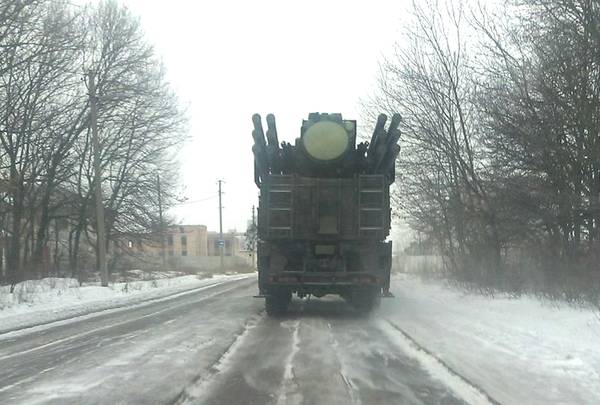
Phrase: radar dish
(326, 140)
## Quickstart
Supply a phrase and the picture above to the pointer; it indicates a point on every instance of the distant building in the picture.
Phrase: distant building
(232, 243)
(186, 240)
(195, 241)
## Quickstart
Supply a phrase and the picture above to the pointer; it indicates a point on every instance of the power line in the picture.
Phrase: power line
(197, 201)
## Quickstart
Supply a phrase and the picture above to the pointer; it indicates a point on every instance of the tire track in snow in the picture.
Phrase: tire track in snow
(289, 387)
(350, 387)
(26, 380)
(113, 325)
(11, 335)
(198, 386)
(462, 386)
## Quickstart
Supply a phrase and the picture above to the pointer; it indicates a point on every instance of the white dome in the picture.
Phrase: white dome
(325, 140)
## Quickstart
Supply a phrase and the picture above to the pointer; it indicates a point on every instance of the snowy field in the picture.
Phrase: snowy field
(519, 351)
(37, 302)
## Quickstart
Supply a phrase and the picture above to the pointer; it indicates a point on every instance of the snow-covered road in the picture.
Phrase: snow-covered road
(213, 344)
(216, 346)
(322, 352)
(145, 354)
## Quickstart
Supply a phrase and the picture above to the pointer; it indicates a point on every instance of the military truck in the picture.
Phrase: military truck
(324, 211)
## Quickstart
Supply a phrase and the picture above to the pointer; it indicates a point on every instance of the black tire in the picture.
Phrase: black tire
(276, 303)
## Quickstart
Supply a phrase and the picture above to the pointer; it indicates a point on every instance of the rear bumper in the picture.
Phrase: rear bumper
(322, 283)
(324, 278)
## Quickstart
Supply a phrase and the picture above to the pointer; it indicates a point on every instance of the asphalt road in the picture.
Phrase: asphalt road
(216, 346)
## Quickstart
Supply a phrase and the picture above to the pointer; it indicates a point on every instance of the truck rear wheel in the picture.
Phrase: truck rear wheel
(365, 301)
(276, 302)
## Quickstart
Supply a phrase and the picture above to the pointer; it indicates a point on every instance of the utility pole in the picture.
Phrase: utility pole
(161, 223)
(97, 183)
(221, 241)
(254, 237)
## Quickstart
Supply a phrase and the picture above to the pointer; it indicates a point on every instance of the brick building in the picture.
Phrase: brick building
(196, 241)
(186, 240)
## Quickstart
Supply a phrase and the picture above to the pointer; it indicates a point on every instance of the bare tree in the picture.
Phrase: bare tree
(141, 123)
(543, 117)
(34, 86)
(444, 186)
(47, 47)
(501, 149)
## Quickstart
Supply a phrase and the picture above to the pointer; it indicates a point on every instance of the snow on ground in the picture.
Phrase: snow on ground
(517, 350)
(35, 302)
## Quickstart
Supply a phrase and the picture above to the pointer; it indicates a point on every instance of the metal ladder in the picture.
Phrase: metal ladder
(283, 185)
(370, 185)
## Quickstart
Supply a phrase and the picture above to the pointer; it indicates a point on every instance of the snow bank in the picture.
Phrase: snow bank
(35, 292)
(517, 350)
(35, 302)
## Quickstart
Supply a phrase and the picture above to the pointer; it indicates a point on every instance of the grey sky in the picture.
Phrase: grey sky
(230, 59)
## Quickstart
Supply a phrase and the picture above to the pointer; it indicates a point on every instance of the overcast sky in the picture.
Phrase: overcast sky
(228, 60)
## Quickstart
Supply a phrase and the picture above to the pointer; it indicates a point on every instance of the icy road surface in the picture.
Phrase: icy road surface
(216, 346)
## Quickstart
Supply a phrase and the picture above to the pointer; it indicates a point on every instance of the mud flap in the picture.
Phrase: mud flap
(386, 268)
